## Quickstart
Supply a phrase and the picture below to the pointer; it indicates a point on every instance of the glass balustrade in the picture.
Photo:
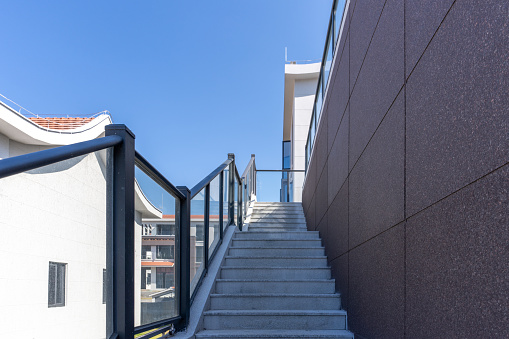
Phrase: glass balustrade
(333, 36)
(156, 251)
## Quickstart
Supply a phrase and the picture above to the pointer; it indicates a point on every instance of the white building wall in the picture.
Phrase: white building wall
(4, 147)
(55, 213)
(304, 96)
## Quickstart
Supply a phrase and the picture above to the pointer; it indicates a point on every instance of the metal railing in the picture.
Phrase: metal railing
(334, 33)
(233, 190)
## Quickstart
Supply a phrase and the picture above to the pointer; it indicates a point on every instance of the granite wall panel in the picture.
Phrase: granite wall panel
(337, 215)
(457, 100)
(377, 180)
(376, 286)
(422, 19)
(339, 97)
(339, 268)
(320, 151)
(337, 163)
(321, 197)
(364, 19)
(380, 80)
(457, 271)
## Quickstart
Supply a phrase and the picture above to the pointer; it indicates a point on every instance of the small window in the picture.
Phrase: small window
(104, 285)
(165, 251)
(56, 284)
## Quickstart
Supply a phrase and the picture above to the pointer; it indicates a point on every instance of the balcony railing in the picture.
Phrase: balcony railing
(114, 203)
(334, 33)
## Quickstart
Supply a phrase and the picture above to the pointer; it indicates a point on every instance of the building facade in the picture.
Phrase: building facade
(300, 89)
(407, 179)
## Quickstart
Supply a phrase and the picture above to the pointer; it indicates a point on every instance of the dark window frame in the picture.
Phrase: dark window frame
(56, 295)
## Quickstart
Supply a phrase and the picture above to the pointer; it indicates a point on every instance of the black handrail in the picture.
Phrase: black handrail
(205, 181)
(155, 175)
(27, 162)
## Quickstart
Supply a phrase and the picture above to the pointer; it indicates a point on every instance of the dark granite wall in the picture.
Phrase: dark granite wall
(408, 182)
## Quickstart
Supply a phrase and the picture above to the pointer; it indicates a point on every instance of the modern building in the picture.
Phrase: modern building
(299, 97)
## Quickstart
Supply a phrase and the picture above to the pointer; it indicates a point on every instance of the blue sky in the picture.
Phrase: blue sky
(193, 80)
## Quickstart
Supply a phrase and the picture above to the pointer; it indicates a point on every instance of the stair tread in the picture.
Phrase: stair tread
(277, 257)
(276, 280)
(263, 333)
(277, 267)
(277, 312)
(285, 295)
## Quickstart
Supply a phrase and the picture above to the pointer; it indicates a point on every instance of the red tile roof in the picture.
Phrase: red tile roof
(61, 123)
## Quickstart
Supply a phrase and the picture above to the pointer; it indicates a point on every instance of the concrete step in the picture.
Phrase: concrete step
(278, 235)
(275, 261)
(276, 252)
(277, 224)
(280, 209)
(254, 228)
(274, 319)
(279, 204)
(277, 242)
(275, 301)
(245, 286)
(293, 215)
(278, 219)
(280, 273)
(275, 334)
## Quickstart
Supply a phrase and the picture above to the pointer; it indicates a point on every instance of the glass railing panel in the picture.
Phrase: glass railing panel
(225, 198)
(312, 131)
(270, 186)
(215, 197)
(197, 240)
(339, 10)
(274, 186)
(156, 251)
(319, 100)
(328, 62)
(53, 250)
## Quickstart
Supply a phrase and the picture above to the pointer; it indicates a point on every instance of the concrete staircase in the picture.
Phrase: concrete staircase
(275, 282)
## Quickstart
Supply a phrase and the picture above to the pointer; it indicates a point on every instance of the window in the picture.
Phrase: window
(165, 251)
(200, 232)
(104, 285)
(165, 229)
(56, 284)
(164, 278)
(144, 250)
(199, 254)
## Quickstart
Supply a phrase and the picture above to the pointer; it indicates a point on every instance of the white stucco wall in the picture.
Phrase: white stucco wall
(304, 96)
(4, 147)
(55, 213)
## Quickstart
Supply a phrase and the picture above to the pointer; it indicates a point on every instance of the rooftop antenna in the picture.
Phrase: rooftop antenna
(286, 54)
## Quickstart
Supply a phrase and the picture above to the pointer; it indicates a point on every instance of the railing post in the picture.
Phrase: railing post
(207, 225)
(120, 236)
(240, 215)
(184, 266)
(253, 177)
(231, 194)
(221, 207)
